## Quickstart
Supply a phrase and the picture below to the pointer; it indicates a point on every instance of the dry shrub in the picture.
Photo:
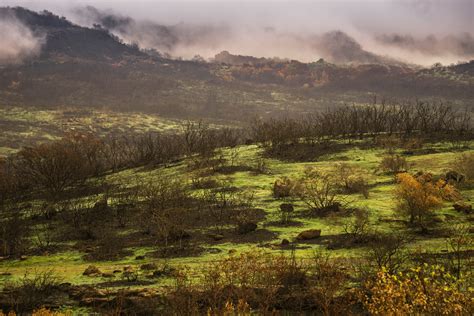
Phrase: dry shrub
(14, 235)
(387, 251)
(464, 164)
(257, 281)
(393, 163)
(389, 142)
(358, 228)
(426, 290)
(31, 292)
(413, 143)
(319, 191)
(284, 187)
(351, 178)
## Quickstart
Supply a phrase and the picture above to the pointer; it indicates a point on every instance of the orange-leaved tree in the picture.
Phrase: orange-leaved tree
(418, 196)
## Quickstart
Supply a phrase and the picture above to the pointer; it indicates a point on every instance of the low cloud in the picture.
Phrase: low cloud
(17, 41)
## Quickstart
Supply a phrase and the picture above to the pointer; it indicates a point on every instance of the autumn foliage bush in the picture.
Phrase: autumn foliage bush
(417, 197)
(425, 290)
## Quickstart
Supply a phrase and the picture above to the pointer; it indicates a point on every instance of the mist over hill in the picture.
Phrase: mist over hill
(59, 62)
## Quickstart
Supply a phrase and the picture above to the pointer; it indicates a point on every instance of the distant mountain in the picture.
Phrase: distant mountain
(89, 67)
(65, 39)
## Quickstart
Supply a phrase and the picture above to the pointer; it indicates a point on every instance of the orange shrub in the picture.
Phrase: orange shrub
(417, 197)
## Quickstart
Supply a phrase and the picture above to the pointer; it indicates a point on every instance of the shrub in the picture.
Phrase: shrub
(358, 227)
(14, 233)
(464, 164)
(459, 241)
(351, 178)
(284, 187)
(286, 212)
(426, 290)
(31, 292)
(417, 197)
(259, 281)
(393, 163)
(387, 251)
(319, 191)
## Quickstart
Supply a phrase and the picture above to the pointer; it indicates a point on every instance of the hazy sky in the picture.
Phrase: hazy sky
(416, 16)
(364, 20)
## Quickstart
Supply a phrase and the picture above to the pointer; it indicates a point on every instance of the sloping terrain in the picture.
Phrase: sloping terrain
(89, 67)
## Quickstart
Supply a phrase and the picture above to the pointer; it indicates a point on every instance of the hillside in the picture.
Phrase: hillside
(89, 67)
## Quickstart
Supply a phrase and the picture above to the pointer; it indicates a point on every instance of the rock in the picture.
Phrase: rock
(216, 237)
(454, 176)
(139, 257)
(108, 275)
(462, 207)
(214, 250)
(23, 258)
(285, 242)
(92, 271)
(245, 228)
(149, 266)
(309, 234)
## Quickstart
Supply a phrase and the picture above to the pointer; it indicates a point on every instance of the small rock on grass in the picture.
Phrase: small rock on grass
(309, 234)
(92, 271)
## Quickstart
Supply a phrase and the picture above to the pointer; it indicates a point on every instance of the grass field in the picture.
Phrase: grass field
(69, 263)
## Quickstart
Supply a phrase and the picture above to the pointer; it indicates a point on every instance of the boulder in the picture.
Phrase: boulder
(462, 207)
(92, 271)
(245, 228)
(309, 234)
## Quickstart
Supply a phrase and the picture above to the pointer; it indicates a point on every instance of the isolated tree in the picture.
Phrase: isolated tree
(418, 197)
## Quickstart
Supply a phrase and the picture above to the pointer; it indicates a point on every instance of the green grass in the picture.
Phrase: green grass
(380, 204)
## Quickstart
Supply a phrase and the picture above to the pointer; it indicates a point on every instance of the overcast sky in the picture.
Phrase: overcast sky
(361, 19)
(416, 16)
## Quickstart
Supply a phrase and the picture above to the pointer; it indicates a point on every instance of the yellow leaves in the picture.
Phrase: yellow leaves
(426, 290)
